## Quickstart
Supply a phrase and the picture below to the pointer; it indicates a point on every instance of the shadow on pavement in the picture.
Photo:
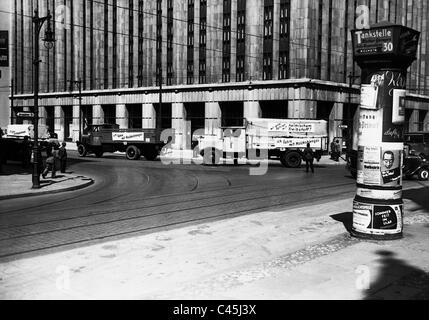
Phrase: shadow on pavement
(398, 280)
(346, 218)
(419, 196)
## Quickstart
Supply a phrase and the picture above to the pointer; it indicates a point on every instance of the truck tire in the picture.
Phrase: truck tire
(132, 153)
(81, 150)
(150, 154)
(423, 174)
(291, 159)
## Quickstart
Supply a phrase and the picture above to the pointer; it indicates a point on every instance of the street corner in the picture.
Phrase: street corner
(18, 185)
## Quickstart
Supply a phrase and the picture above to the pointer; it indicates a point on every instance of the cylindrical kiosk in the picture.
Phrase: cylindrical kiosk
(384, 52)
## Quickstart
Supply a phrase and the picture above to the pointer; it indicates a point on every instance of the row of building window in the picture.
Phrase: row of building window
(241, 36)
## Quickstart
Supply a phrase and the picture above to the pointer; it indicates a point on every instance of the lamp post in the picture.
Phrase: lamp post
(49, 39)
(78, 84)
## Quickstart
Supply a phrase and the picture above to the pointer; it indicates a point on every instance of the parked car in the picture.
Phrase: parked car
(419, 142)
(415, 164)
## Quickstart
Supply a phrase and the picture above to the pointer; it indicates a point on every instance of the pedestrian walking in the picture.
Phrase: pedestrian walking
(309, 158)
(62, 154)
(335, 150)
(332, 145)
(338, 150)
(51, 163)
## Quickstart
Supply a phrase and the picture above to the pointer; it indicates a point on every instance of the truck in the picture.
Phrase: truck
(100, 138)
(282, 139)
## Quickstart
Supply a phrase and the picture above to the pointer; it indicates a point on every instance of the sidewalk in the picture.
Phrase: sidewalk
(301, 253)
(16, 182)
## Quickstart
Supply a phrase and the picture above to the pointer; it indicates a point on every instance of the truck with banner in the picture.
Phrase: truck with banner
(100, 138)
(259, 138)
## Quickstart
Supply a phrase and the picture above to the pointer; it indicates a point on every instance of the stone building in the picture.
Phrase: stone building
(219, 60)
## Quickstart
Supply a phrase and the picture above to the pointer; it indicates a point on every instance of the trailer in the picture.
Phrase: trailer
(100, 138)
(258, 138)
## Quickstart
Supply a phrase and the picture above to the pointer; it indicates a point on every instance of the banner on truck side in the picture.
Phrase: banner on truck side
(292, 127)
(128, 136)
(297, 142)
(377, 219)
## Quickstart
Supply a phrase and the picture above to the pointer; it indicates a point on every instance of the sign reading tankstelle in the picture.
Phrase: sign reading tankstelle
(127, 136)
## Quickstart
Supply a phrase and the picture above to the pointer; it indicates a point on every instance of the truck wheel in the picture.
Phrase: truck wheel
(151, 154)
(82, 150)
(423, 174)
(132, 153)
(293, 159)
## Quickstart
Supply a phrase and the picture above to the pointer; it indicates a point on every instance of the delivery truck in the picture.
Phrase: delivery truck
(258, 138)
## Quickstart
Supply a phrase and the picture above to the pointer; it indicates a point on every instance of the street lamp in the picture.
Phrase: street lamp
(49, 42)
(78, 84)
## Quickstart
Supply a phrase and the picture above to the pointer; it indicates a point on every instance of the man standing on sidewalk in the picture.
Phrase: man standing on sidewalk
(309, 158)
(62, 154)
(51, 163)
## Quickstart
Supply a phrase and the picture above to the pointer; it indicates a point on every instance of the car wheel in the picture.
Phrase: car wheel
(81, 150)
(423, 174)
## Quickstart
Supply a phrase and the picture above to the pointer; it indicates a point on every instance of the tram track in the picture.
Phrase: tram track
(135, 214)
(103, 234)
(174, 202)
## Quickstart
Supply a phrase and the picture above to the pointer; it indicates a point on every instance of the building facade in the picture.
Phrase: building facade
(5, 22)
(213, 62)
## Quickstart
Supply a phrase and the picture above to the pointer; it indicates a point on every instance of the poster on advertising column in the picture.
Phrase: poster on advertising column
(369, 165)
(377, 219)
(370, 127)
(391, 167)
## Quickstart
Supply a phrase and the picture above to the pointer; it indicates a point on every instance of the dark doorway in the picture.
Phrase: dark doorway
(274, 109)
(68, 122)
(324, 109)
(135, 115)
(87, 117)
(50, 118)
(349, 112)
(195, 113)
(109, 111)
(165, 116)
(232, 113)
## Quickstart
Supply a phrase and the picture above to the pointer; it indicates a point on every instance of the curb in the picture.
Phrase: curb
(31, 194)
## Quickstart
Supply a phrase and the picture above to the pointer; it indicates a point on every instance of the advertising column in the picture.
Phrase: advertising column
(384, 53)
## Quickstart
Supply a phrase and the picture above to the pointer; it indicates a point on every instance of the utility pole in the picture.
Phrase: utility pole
(11, 101)
(78, 83)
(49, 39)
(159, 124)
